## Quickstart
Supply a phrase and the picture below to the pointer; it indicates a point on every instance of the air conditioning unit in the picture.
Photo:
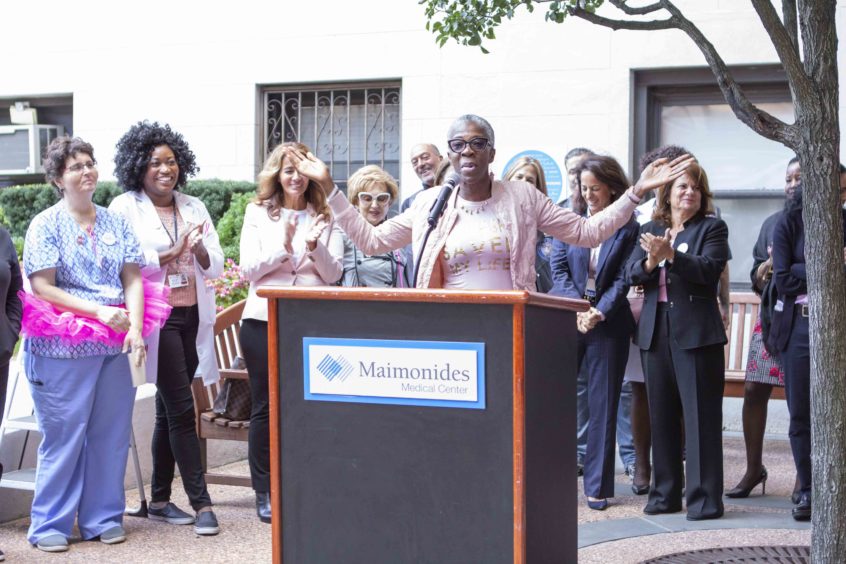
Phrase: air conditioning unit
(22, 147)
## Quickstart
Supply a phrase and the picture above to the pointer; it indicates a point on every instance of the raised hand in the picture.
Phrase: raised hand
(198, 249)
(660, 172)
(657, 248)
(315, 232)
(289, 227)
(311, 167)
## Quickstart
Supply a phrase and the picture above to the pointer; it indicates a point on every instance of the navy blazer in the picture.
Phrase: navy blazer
(692, 280)
(789, 273)
(570, 273)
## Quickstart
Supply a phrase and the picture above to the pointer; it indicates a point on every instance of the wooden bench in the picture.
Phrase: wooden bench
(209, 424)
(744, 314)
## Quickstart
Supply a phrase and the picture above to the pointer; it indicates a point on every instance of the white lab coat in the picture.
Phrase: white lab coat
(141, 214)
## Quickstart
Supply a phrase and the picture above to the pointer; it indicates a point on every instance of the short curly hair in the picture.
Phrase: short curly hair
(57, 152)
(135, 147)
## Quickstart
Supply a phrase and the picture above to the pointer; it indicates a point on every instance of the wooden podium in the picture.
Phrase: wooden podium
(365, 482)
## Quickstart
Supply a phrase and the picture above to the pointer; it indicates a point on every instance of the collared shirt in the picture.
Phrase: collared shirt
(88, 266)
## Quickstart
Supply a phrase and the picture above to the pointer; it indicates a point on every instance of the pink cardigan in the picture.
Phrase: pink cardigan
(523, 210)
(265, 262)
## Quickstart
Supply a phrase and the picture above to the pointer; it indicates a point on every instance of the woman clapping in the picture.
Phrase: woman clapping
(288, 239)
(681, 255)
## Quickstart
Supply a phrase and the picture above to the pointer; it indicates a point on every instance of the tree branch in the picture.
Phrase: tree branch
(650, 25)
(758, 120)
(640, 11)
(784, 45)
(788, 15)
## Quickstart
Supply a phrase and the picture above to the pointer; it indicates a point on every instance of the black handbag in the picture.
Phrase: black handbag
(233, 400)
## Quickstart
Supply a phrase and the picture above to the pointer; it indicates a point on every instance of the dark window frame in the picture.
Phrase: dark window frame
(653, 89)
(262, 91)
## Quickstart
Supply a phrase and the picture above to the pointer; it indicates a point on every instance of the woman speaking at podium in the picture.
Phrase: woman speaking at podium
(486, 237)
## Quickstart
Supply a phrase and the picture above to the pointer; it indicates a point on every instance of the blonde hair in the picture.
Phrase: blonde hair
(365, 177)
(532, 162)
(663, 211)
(269, 192)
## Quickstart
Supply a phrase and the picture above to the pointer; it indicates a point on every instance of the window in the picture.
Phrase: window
(51, 110)
(347, 126)
(745, 171)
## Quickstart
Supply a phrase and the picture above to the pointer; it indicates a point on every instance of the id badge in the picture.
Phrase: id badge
(177, 280)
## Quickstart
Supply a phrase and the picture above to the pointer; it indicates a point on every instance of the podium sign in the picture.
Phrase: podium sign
(433, 373)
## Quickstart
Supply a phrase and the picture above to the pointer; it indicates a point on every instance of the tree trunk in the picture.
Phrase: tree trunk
(819, 154)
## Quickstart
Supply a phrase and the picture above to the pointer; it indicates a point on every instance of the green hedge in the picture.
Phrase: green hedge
(229, 226)
(19, 204)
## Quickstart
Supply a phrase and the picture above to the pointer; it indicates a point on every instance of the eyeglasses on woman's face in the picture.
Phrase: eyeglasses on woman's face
(367, 198)
(80, 167)
(477, 144)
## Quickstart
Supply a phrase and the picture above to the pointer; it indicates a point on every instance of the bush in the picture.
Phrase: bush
(229, 226)
(19, 204)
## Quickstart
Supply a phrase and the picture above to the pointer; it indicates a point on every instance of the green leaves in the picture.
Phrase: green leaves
(471, 22)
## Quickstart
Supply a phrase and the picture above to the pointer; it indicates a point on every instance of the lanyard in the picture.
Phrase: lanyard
(175, 226)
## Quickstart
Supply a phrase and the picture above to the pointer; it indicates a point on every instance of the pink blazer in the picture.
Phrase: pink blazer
(265, 262)
(524, 211)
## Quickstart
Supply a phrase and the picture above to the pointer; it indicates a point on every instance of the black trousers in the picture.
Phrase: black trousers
(604, 356)
(796, 360)
(175, 439)
(689, 384)
(4, 381)
(254, 345)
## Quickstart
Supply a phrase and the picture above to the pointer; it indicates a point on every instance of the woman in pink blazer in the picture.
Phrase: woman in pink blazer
(288, 239)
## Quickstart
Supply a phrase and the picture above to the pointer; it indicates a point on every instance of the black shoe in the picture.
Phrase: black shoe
(802, 510)
(263, 506)
(704, 516)
(740, 492)
(794, 497)
(653, 510)
(640, 490)
(598, 504)
(206, 523)
(170, 514)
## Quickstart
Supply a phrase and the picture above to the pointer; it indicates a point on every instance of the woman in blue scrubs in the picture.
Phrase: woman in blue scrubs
(81, 258)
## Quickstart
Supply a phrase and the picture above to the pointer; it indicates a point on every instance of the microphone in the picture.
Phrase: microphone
(439, 205)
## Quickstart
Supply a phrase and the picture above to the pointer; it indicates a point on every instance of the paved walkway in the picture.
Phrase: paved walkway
(622, 534)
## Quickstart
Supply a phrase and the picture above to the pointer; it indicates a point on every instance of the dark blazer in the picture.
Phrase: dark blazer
(570, 273)
(11, 282)
(692, 280)
(759, 251)
(789, 273)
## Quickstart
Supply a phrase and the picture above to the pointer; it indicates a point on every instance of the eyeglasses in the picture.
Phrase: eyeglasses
(79, 167)
(367, 197)
(477, 144)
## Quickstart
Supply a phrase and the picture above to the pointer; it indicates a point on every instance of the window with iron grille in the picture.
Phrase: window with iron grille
(347, 126)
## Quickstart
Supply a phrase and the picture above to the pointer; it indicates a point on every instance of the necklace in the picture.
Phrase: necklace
(468, 207)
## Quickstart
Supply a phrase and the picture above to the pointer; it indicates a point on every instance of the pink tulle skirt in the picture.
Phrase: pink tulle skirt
(41, 319)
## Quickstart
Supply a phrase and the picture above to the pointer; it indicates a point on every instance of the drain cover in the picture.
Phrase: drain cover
(738, 554)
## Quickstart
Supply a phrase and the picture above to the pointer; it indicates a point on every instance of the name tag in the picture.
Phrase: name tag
(177, 280)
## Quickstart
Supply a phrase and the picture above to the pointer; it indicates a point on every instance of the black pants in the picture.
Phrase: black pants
(4, 381)
(254, 345)
(175, 433)
(604, 355)
(685, 383)
(796, 360)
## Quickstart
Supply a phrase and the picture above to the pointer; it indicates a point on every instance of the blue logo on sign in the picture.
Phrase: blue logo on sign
(335, 368)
